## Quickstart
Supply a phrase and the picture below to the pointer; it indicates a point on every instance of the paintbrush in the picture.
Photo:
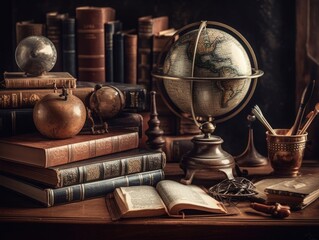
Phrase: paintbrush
(258, 113)
(305, 97)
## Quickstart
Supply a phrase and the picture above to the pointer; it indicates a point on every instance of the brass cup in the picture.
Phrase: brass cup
(285, 153)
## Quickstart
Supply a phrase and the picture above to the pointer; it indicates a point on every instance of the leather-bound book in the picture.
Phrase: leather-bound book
(118, 56)
(15, 80)
(16, 121)
(91, 41)
(28, 28)
(93, 169)
(36, 150)
(54, 33)
(147, 27)
(187, 126)
(69, 46)
(54, 196)
(110, 28)
(130, 57)
(27, 98)
(176, 146)
(127, 120)
(20, 120)
(160, 40)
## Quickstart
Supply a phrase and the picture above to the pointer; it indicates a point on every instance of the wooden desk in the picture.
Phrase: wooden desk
(22, 218)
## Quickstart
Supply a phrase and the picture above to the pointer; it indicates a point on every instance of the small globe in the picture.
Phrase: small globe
(35, 55)
(214, 71)
(106, 101)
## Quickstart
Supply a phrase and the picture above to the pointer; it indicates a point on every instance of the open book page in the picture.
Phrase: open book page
(139, 201)
(178, 197)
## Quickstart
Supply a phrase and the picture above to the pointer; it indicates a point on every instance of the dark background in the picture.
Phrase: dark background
(268, 25)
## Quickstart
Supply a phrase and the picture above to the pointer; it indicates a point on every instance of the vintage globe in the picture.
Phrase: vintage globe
(35, 55)
(207, 72)
(217, 75)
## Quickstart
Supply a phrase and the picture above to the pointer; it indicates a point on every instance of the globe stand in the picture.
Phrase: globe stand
(206, 157)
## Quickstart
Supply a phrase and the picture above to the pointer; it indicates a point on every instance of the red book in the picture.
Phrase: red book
(34, 149)
(147, 27)
(91, 43)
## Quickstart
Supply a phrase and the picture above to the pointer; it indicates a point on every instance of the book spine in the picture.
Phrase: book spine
(20, 98)
(39, 82)
(110, 28)
(285, 193)
(91, 43)
(130, 58)
(111, 169)
(54, 33)
(16, 121)
(135, 99)
(176, 146)
(147, 27)
(85, 191)
(89, 149)
(118, 57)
(69, 46)
(28, 28)
(127, 120)
(144, 59)
(187, 127)
(159, 43)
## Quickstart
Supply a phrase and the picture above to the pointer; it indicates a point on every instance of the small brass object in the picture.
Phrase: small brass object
(285, 153)
(251, 157)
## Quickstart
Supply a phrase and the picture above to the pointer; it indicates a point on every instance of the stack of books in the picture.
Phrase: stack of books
(55, 172)
(297, 193)
(58, 171)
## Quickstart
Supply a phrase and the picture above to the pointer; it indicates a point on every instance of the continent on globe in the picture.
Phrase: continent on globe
(218, 54)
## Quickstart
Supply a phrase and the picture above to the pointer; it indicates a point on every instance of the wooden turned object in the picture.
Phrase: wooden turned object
(277, 210)
(154, 133)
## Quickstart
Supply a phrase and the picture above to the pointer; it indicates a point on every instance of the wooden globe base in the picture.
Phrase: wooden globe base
(206, 160)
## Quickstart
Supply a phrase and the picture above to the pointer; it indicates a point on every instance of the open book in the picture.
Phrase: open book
(168, 198)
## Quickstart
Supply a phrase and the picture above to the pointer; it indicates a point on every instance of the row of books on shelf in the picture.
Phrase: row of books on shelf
(95, 46)
(19, 91)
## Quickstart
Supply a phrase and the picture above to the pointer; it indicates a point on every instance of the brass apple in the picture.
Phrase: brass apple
(59, 116)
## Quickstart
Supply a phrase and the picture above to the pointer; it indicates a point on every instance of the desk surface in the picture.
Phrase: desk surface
(20, 216)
